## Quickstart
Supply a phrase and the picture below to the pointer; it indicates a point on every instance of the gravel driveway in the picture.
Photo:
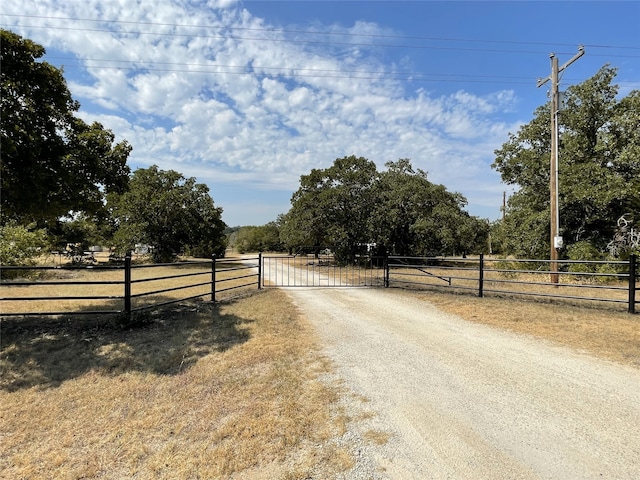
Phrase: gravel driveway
(466, 401)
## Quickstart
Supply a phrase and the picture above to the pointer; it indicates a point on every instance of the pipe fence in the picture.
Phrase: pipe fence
(585, 281)
(120, 289)
(128, 288)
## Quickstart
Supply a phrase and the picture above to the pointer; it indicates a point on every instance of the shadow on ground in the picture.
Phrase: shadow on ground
(44, 352)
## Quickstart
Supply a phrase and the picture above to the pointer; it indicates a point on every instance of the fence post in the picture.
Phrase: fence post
(213, 278)
(632, 284)
(386, 269)
(127, 283)
(259, 270)
(481, 276)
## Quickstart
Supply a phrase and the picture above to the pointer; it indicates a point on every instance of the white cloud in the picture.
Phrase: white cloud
(217, 102)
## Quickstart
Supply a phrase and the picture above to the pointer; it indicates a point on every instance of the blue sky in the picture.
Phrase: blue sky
(246, 96)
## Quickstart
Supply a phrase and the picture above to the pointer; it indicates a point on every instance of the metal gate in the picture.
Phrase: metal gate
(322, 270)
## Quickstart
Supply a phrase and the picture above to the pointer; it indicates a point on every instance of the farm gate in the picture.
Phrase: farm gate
(320, 268)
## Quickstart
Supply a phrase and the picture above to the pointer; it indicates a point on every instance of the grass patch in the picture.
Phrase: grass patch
(377, 437)
(200, 391)
(604, 333)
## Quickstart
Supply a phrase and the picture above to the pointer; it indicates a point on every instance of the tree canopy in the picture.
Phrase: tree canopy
(599, 169)
(53, 163)
(264, 238)
(414, 216)
(351, 205)
(171, 213)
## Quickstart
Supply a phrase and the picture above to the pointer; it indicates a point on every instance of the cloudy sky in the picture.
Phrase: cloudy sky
(246, 96)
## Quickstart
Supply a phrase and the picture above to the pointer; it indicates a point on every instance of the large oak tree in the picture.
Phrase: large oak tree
(53, 164)
(351, 204)
(171, 213)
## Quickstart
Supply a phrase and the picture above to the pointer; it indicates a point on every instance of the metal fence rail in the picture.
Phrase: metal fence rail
(584, 281)
(25, 270)
(321, 271)
(121, 297)
(237, 281)
(613, 281)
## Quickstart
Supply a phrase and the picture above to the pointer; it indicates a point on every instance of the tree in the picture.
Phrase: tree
(265, 238)
(171, 213)
(20, 245)
(53, 163)
(413, 216)
(332, 206)
(351, 204)
(599, 168)
(82, 231)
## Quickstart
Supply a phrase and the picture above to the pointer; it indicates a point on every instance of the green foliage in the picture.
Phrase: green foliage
(351, 204)
(583, 251)
(171, 213)
(599, 168)
(515, 267)
(53, 164)
(83, 230)
(265, 238)
(331, 207)
(20, 245)
(413, 216)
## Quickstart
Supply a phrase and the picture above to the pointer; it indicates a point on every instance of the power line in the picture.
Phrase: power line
(332, 43)
(281, 40)
(254, 68)
(317, 42)
(318, 32)
(418, 78)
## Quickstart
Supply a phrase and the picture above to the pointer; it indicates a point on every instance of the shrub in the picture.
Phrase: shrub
(20, 246)
(585, 252)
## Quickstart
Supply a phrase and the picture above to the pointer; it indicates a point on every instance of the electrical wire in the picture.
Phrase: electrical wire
(302, 72)
(317, 32)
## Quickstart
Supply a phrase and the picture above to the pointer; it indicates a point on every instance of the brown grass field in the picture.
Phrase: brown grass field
(232, 390)
(238, 389)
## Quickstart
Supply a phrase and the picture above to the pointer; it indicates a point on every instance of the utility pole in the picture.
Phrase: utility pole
(504, 205)
(556, 239)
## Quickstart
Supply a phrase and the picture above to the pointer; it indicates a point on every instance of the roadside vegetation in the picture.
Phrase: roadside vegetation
(235, 390)
(66, 185)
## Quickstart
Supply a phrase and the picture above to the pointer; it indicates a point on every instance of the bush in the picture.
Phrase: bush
(20, 246)
(586, 252)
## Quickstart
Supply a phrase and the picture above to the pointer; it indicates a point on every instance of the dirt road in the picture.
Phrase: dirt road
(465, 401)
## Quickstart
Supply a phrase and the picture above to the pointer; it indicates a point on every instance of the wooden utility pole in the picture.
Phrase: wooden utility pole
(554, 211)
(504, 205)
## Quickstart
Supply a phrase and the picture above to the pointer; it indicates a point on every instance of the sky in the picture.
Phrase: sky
(247, 96)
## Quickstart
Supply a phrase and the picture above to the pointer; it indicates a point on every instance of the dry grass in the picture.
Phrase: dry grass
(377, 437)
(602, 332)
(227, 391)
(513, 282)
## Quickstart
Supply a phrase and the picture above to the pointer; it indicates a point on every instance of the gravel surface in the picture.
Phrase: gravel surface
(465, 401)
